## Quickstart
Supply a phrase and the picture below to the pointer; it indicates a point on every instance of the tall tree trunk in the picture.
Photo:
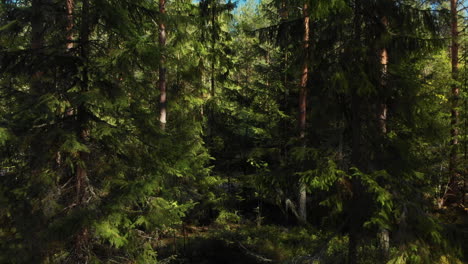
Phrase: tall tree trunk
(69, 44)
(384, 235)
(282, 36)
(162, 66)
(283, 13)
(83, 133)
(213, 43)
(70, 24)
(303, 106)
(453, 193)
(383, 108)
(354, 217)
(70, 6)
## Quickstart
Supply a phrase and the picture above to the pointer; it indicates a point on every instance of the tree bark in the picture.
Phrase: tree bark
(82, 129)
(384, 234)
(303, 106)
(81, 177)
(70, 24)
(69, 38)
(37, 44)
(213, 43)
(453, 194)
(383, 109)
(162, 66)
(284, 16)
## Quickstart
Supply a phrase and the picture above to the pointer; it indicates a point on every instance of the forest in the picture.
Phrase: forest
(223, 131)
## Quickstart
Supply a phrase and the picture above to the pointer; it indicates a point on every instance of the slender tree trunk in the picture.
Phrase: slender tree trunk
(213, 43)
(453, 193)
(83, 131)
(383, 108)
(303, 106)
(283, 12)
(284, 17)
(70, 24)
(304, 76)
(384, 234)
(162, 66)
(81, 181)
(69, 40)
(354, 224)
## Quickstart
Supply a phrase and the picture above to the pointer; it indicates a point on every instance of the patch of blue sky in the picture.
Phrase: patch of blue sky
(239, 3)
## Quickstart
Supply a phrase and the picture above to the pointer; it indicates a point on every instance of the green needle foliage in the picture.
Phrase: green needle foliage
(87, 174)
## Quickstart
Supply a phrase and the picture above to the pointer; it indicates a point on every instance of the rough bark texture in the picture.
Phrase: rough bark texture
(453, 193)
(384, 235)
(70, 24)
(383, 109)
(303, 106)
(162, 66)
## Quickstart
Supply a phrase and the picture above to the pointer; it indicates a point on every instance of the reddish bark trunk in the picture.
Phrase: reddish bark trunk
(81, 176)
(453, 193)
(303, 105)
(162, 67)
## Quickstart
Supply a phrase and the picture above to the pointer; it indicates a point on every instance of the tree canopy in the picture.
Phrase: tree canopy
(219, 131)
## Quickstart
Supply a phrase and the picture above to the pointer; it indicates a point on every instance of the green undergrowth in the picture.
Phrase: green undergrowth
(253, 244)
(248, 243)
(281, 244)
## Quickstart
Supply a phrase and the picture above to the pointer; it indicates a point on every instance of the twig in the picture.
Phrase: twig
(257, 256)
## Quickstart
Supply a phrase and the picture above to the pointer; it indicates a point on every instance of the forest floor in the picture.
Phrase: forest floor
(233, 243)
(248, 243)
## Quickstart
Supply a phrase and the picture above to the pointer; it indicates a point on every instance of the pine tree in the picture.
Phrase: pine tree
(84, 149)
